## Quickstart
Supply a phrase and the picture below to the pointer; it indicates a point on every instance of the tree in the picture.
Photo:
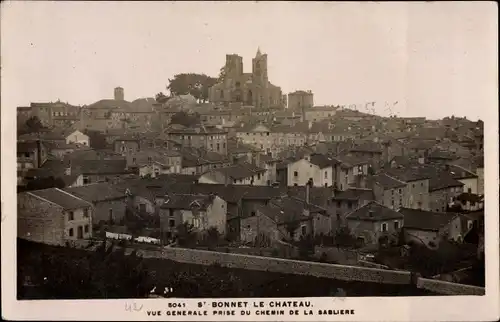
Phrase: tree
(343, 237)
(161, 98)
(185, 119)
(32, 125)
(186, 235)
(291, 227)
(191, 83)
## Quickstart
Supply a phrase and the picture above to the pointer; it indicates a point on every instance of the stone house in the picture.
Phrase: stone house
(238, 174)
(77, 137)
(348, 169)
(430, 228)
(108, 202)
(388, 191)
(347, 201)
(201, 211)
(374, 222)
(102, 170)
(315, 167)
(442, 191)
(53, 216)
(30, 155)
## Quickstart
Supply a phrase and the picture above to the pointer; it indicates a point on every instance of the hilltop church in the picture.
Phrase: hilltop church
(246, 88)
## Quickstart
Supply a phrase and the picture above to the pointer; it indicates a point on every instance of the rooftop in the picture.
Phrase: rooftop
(61, 198)
(374, 211)
(426, 220)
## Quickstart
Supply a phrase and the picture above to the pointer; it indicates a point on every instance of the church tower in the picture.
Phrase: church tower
(260, 80)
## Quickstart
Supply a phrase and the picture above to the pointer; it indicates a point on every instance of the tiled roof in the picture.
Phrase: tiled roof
(374, 211)
(26, 146)
(238, 171)
(187, 201)
(61, 198)
(323, 161)
(355, 194)
(348, 161)
(367, 146)
(443, 181)
(103, 167)
(426, 220)
(96, 192)
(386, 181)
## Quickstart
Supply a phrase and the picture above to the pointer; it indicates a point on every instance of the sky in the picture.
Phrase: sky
(434, 59)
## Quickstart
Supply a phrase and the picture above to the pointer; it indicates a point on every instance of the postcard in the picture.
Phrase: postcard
(250, 161)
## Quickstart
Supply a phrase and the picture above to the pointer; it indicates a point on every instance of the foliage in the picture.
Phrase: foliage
(32, 125)
(161, 98)
(185, 119)
(343, 237)
(291, 227)
(45, 183)
(186, 235)
(191, 83)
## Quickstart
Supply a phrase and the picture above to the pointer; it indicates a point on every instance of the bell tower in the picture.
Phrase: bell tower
(260, 80)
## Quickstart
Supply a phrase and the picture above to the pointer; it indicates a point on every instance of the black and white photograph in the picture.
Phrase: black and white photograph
(250, 160)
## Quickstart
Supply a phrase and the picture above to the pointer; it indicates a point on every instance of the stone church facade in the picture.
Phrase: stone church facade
(251, 89)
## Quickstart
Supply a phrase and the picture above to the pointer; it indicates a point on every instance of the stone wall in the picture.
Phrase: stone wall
(448, 288)
(339, 272)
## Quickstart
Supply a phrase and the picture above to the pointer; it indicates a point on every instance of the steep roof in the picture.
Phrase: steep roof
(355, 194)
(426, 220)
(323, 161)
(96, 192)
(373, 211)
(385, 181)
(187, 201)
(57, 196)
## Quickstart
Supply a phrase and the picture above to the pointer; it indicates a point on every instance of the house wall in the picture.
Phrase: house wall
(304, 170)
(39, 221)
(480, 181)
(439, 199)
(78, 137)
(217, 215)
(80, 220)
(115, 209)
(371, 231)
(418, 194)
(395, 198)
(472, 184)
(322, 224)
(251, 227)
(140, 203)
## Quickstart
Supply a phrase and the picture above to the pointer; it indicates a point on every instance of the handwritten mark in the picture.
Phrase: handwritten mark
(133, 307)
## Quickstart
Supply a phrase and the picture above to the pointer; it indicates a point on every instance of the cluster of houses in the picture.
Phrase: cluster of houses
(282, 173)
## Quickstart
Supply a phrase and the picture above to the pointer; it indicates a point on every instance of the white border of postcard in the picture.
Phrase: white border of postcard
(439, 308)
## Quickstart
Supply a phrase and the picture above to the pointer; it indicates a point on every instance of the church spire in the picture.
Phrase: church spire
(258, 53)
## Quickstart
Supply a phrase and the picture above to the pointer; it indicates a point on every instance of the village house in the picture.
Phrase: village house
(315, 167)
(238, 174)
(288, 218)
(346, 201)
(108, 202)
(201, 211)
(56, 169)
(126, 144)
(348, 170)
(102, 170)
(30, 155)
(155, 161)
(319, 113)
(430, 228)
(388, 191)
(469, 179)
(417, 185)
(374, 223)
(59, 150)
(77, 137)
(53, 216)
(209, 138)
(442, 191)
(368, 150)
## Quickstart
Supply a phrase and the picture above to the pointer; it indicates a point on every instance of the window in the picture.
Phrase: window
(392, 191)
(304, 230)
(70, 233)
(86, 212)
(86, 228)
(399, 191)
(413, 185)
(469, 190)
(133, 160)
(171, 223)
(71, 215)
(295, 174)
(86, 180)
(349, 204)
(384, 227)
(26, 154)
(396, 225)
(326, 175)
